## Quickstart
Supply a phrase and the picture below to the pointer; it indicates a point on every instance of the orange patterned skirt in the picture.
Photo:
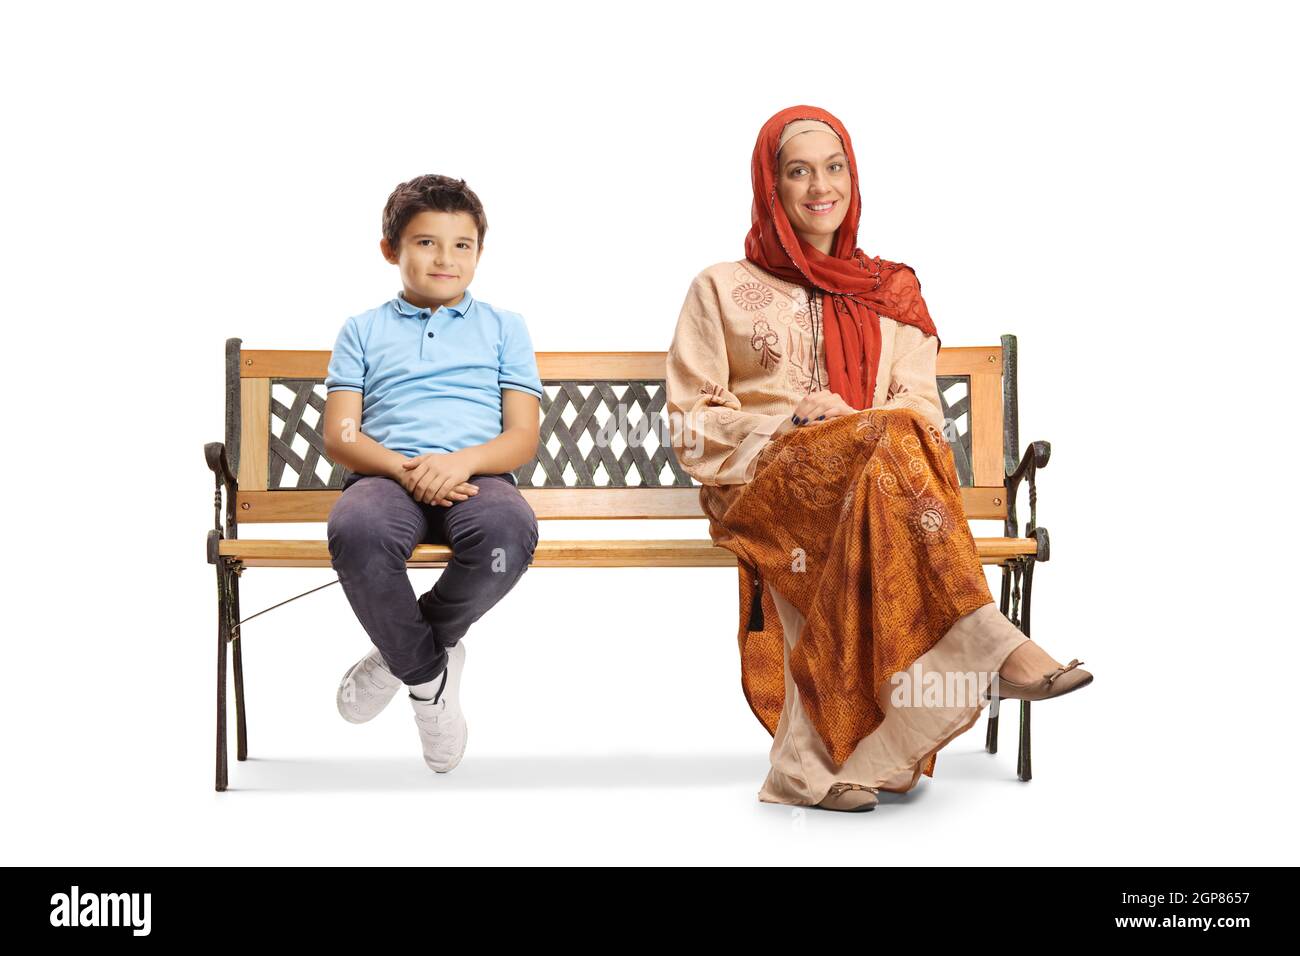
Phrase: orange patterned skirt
(856, 563)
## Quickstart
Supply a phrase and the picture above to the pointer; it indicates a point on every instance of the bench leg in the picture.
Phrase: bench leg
(991, 735)
(1022, 755)
(241, 723)
(223, 632)
(1023, 768)
(1004, 605)
(1010, 606)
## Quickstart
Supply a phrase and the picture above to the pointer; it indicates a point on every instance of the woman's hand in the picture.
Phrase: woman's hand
(819, 406)
(436, 479)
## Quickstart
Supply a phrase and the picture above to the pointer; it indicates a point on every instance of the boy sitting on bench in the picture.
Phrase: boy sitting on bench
(433, 401)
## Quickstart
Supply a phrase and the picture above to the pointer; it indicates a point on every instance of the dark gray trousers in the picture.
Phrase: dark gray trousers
(372, 529)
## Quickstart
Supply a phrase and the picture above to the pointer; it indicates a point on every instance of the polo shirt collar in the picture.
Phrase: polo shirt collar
(460, 309)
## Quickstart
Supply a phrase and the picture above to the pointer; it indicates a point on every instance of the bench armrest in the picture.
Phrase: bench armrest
(214, 453)
(1036, 456)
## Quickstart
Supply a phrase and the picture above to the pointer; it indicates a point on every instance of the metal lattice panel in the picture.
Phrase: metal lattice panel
(296, 452)
(954, 399)
(594, 434)
(603, 434)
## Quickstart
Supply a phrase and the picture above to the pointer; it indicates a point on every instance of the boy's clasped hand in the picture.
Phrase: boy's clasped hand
(437, 479)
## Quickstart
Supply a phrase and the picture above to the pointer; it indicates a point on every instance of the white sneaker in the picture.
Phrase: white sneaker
(366, 688)
(443, 731)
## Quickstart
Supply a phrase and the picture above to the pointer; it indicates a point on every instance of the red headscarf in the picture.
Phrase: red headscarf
(859, 289)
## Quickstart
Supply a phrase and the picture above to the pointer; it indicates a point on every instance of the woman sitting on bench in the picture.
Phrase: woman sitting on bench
(802, 384)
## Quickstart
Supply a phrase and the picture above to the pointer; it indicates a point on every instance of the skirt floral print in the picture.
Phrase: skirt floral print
(852, 532)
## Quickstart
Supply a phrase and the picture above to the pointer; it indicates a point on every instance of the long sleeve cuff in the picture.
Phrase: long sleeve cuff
(743, 463)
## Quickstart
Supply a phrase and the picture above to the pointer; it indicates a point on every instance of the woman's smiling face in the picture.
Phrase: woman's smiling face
(814, 185)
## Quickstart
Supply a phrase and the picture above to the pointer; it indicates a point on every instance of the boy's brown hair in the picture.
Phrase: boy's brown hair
(434, 193)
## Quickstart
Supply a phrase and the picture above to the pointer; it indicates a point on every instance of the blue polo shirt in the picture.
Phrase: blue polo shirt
(431, 379)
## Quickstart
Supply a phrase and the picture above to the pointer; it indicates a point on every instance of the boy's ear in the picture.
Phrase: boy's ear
(387, 251)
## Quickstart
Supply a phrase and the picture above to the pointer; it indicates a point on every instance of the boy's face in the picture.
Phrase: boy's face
(439, 252)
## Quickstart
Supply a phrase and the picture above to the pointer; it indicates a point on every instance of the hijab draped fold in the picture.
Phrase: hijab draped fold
(858, 289)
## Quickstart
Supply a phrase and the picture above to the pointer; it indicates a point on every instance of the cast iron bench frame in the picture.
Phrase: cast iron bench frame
(270, 440)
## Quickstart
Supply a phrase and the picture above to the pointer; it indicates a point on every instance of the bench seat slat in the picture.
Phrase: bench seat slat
(262, 507)
(619, 553)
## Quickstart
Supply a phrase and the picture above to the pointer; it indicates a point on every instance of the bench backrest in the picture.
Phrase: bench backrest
(275, 409)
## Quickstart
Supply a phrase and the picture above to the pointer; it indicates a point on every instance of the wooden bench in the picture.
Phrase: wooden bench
(272, 467)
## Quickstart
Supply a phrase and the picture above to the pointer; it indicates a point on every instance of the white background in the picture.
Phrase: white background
(1113, 183)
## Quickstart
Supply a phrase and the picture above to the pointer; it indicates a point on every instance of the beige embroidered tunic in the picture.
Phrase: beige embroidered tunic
(741, 359)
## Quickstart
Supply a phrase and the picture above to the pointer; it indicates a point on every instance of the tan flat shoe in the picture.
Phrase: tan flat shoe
(1056, 684)
(850, 797)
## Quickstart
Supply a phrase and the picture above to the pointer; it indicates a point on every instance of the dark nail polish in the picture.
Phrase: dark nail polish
(820, 417)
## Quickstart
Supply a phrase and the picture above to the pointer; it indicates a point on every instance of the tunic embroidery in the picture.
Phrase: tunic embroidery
(762, 341)
(751, 296)
(803, 315)
(799, 370)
